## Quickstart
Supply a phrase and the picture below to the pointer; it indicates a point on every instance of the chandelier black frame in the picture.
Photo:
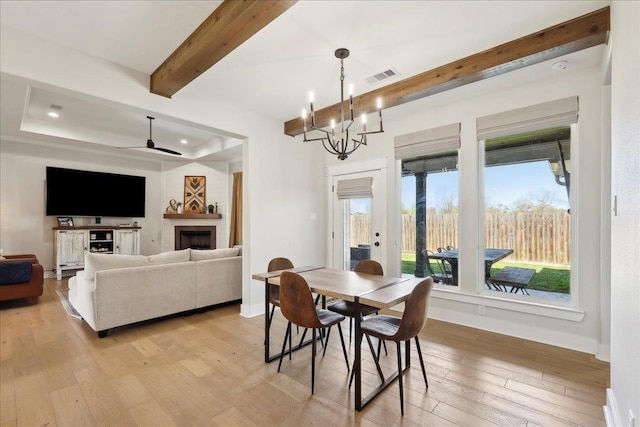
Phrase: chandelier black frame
(341, 145)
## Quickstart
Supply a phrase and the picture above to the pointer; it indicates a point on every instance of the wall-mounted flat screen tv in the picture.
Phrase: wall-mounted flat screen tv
(85, 193)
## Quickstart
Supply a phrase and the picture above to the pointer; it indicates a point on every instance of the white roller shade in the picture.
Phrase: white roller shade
(426, 142)
(536, 117)
(357, 188)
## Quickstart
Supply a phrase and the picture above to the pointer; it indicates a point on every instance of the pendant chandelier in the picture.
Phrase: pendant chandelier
(340, 143)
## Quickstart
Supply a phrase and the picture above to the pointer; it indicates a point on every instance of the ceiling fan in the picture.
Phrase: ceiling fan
(151, 145)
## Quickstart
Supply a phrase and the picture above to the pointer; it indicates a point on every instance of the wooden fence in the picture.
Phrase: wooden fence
(533, 236)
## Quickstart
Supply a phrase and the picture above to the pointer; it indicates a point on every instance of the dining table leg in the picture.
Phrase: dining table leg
(357, 365)
(266, 321)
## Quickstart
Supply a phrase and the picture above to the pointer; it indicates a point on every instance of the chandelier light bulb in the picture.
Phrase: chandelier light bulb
(310, 96)
(350, 89)
(379, 103)
(333, 123)
(364, 118)
(304, 114)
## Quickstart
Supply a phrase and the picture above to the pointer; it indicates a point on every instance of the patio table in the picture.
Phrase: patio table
(491, 256)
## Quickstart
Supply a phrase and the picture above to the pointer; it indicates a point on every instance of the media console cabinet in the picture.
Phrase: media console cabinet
(71, 244)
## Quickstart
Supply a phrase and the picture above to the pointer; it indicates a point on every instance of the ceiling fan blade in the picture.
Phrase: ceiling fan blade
(144, 146)
(166, 150)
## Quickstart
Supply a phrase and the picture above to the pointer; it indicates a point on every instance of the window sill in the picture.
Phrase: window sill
(535, 308)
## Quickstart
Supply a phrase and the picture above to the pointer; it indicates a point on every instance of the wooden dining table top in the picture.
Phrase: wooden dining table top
(379, 291)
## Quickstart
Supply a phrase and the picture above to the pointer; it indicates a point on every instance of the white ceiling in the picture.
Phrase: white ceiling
(271, 73)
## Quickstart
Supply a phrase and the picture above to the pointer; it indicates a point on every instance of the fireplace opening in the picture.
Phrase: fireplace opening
(195, 237)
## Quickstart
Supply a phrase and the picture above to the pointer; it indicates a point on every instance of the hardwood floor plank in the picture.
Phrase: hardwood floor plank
(130, 390)
(150, 413)
(70, 407)
(33, 403)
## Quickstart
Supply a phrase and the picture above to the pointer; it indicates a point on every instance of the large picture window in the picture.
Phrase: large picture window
(527, 188)
(429, 201)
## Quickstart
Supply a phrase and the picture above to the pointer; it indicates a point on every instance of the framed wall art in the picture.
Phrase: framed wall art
(194, 194)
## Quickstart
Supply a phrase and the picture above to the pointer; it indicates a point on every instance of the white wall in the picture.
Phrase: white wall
(623, 398)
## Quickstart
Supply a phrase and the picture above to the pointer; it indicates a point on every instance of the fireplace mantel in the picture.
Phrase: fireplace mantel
(193, 216)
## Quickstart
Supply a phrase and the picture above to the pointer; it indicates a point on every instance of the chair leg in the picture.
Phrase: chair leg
(380, 344)
(313, 361)
(290, 335)
(344, 347)
(424, 373)
(350, 323)
(400, 377)
(326, 344)
(375, 359)
(284, 345)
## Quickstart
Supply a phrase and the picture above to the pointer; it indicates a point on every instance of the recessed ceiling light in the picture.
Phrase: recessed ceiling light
(54, 110)
(184, 141)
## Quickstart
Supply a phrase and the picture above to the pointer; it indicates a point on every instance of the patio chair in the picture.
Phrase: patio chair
(446, 276)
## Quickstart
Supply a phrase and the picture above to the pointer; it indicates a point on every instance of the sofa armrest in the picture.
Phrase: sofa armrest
(21, 257)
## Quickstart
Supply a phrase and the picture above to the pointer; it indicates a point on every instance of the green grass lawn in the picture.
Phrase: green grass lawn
(550, 278)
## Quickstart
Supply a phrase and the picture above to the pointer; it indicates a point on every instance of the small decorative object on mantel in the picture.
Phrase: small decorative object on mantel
(172, 208)
(211, 208)
(194, 194)
(65, 221)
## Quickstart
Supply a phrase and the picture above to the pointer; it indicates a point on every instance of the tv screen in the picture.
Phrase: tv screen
(84, 193)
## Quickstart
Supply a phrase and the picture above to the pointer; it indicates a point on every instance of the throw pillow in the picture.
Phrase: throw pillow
(170, 257)
(98, 262)
(200, 255)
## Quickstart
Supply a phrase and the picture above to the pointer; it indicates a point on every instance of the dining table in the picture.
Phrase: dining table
(359, 288)
(491, 256)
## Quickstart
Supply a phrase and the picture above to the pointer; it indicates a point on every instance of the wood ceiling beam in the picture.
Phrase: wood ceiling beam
(568, 37)
(230, 25)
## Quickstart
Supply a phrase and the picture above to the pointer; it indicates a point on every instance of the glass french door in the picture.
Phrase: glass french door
(359, 230)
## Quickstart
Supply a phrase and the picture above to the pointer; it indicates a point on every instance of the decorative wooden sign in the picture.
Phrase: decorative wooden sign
(194, 194)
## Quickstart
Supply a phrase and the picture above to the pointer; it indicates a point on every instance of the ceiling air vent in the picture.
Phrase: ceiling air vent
(376, 78)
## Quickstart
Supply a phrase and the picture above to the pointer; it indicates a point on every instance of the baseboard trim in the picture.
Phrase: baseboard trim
(611, 411)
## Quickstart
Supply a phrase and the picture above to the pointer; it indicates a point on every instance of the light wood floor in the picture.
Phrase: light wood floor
(207, 370)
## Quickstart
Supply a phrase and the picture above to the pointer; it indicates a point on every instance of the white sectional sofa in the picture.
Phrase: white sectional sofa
(117, 290)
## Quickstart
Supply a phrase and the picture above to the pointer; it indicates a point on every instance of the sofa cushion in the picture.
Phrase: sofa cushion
(170, 257)
(15, 272)
(99, 262)
(200, 255)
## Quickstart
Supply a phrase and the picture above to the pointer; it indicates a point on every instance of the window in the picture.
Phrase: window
(527, 187)
(429, 200)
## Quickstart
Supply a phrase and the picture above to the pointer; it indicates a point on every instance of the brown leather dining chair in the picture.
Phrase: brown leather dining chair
(347, 308)
(274, 290)
(403, 329)
(298, 307)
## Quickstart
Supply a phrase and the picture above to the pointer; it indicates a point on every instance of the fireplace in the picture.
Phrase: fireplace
(195, 237)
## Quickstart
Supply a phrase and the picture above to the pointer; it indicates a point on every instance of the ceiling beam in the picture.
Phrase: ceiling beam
(562, 39)
(230, 25)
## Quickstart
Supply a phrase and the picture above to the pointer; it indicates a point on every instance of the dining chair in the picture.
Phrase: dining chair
(274, 290)
(347, 308)
(446, 276)
(403, 329)
(298, 307)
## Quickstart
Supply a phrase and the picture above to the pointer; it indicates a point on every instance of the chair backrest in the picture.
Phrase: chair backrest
(296, 301)
(279, 264)
(427, 263)
(369, 266)
(415, 311)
